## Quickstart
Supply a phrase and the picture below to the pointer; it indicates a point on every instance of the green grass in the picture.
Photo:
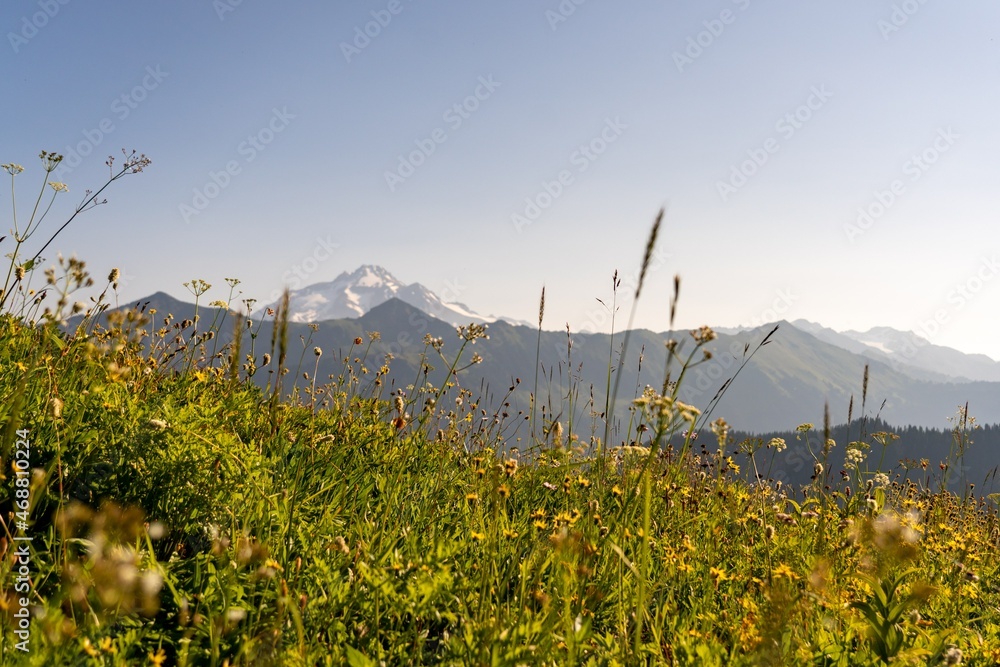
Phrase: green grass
(180, 514)
(187, 513)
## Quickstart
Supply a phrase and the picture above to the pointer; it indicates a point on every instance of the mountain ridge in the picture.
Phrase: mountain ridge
(354, 294)
(786, 382)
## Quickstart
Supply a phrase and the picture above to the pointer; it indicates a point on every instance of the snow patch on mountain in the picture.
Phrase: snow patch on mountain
(351, 295)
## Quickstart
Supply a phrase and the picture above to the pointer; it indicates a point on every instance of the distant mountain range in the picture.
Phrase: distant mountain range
(804, 366)
(909, 353)
(786, 383)
(354, 294)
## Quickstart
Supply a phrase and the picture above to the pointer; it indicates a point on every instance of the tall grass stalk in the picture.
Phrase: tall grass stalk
(647, 256)
(538, 361)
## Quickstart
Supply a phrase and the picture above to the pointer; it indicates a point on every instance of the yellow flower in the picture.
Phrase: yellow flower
(510, 534)
(479, 537)
(158, 658)
(503, 490)
(718, 574)
(58, 187)
(732, 465)
(90, 649)
(785, 571)
(616, 491)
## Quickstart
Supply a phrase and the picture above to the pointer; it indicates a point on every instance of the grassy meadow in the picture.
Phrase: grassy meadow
(162, 508)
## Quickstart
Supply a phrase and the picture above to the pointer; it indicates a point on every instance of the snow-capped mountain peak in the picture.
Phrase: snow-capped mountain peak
(354, 294)
(369, 275)
(909, 353)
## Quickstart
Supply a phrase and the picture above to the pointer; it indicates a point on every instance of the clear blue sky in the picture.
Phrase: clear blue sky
(630, 105)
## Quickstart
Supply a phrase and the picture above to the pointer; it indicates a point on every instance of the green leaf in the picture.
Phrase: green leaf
(57, 340)
(356, 658)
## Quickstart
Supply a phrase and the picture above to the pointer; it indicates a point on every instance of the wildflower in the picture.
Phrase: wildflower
(478, 537)
(540, 524)
(616, 491)
(510, 534)
(157, 423)
(50, 160)
(473, 332)
(583, 481)
(802, 428)
(721, 430)
(703, 335)
(12, 169)
(58, 187)
(503, 490)
(881, 480)
(784, 571)
(953, 656)
(157, 659)
(510, 467)
(90, 648)
(198, 286)
(689, 413)
(56, 406)
(778, 444)
(156, 530)
(853, 457)
(318, 351)
(471, 497)
(891, 533)
(657, 406)
(817, 469)
(718, 575)
(340, 544)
